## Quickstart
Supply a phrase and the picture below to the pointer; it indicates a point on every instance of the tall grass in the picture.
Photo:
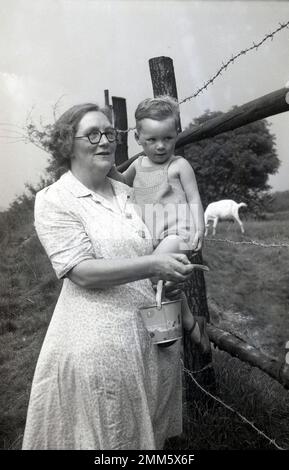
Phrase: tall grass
(248, 391)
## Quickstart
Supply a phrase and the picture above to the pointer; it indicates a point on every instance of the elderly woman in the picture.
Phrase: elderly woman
(100, 383)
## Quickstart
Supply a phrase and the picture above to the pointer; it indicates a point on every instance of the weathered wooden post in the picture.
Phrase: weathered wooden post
(106, 98)
(163, 76)
(107, 103)
(163, 81)
(120, 122)
(119, 117)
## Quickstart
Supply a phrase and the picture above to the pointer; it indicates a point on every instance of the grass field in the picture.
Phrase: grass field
(248, 294)
(248, 286)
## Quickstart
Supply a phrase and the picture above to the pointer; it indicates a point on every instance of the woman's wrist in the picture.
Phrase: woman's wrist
(153, 266)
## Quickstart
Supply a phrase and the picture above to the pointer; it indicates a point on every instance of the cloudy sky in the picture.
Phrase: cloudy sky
(74, 49)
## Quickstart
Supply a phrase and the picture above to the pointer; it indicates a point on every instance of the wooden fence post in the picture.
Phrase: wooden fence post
(119, 117)
(106, 98)
(120, 122)
(163, 81)
(107, 103)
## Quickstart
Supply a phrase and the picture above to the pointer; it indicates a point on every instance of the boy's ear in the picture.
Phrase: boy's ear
(136, 136)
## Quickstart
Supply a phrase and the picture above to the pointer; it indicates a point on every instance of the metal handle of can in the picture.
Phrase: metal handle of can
(160, 285)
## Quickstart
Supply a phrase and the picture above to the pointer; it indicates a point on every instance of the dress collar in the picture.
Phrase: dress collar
(78, 189)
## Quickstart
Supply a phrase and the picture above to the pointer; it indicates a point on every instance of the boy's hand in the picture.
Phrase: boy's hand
(173, 289)
(198, 241)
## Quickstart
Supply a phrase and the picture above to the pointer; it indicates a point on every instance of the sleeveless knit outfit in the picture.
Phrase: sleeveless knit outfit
(164, 206)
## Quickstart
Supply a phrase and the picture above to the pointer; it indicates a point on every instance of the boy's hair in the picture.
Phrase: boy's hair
(159, 108)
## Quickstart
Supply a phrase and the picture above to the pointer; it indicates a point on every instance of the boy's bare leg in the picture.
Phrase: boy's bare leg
(172, 244)
(175, 244)
(189, 322)
(197, 331)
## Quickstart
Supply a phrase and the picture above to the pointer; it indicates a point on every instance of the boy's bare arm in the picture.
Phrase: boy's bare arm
(129, 174)
(116, 175)
(190, 186)
(126, 177)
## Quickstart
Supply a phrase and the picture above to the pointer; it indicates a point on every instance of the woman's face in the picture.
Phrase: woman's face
(93, 159)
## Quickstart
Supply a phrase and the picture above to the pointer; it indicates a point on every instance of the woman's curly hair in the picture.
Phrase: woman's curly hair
(62, 134)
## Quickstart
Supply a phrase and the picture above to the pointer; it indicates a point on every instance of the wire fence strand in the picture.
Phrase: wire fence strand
(225, 65)
(233, 58)
(219, 72)
(248, 242)
(243, 418)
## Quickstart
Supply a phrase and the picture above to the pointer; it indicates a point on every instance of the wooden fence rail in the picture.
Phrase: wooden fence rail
(267, 105)
(226, 341)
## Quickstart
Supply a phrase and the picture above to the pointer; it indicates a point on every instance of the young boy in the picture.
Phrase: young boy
(166, 190)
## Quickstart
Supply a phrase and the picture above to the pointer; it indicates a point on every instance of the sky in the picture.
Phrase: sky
(70, 51)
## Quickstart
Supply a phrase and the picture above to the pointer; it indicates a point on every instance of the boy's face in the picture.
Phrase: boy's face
(157, 138)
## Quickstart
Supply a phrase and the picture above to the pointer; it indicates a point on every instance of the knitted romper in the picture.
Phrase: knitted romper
(164, 206)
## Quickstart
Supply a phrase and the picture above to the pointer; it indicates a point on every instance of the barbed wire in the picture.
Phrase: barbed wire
(250, 242)
(225, 66)
(233, 58)
(126, 131)
(217, 399)
(206, 367)
(213, 78)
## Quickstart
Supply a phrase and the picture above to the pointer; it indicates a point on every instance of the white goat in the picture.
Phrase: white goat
(223, 210)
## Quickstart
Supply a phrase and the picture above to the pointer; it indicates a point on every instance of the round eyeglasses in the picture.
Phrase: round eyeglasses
(94, 137)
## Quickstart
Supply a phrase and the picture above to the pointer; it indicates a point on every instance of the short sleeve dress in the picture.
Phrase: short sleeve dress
(99, 382)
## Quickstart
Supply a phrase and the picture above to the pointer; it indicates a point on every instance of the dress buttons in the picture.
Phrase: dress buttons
(142, 233)
(128, 216)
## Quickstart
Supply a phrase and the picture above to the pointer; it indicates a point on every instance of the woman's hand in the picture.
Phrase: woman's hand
(175, 267)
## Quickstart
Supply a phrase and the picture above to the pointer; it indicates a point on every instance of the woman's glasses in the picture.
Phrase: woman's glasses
(94, 137)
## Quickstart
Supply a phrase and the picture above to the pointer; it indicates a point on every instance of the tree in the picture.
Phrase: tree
(235, 164)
